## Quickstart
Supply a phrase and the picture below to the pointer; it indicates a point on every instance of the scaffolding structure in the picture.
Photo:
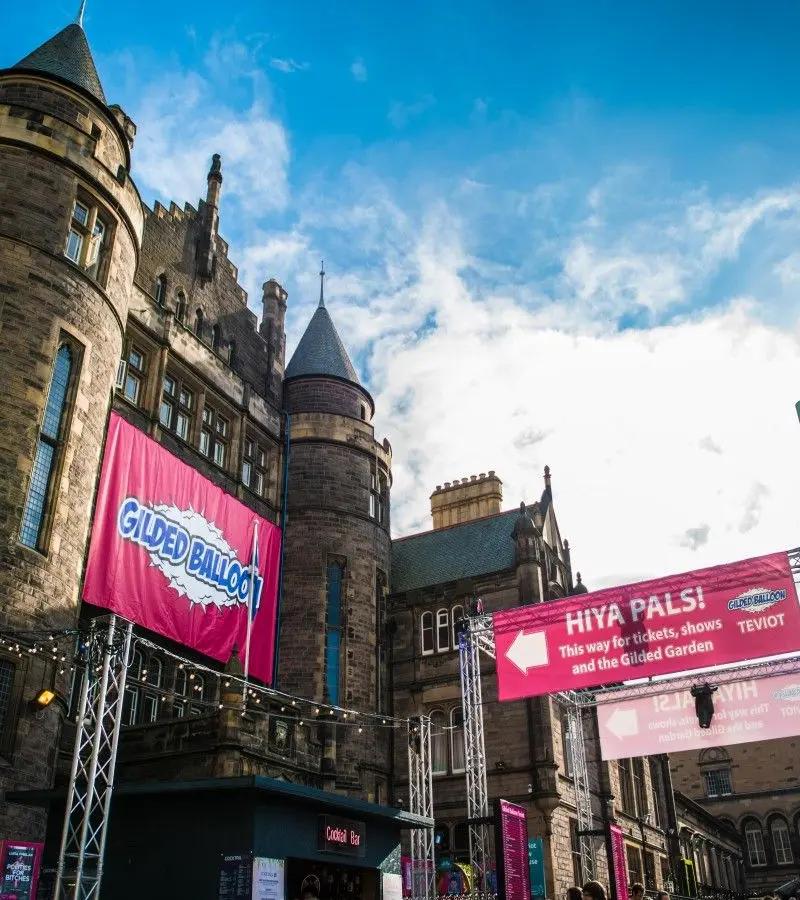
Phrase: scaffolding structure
(420, 802)
(105, 656)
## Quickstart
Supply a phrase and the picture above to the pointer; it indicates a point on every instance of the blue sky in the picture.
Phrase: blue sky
(564, 233)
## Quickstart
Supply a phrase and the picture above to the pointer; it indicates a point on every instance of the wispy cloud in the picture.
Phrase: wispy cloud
(694, 538)
(400, 114)
(358, 69)
(288, 65)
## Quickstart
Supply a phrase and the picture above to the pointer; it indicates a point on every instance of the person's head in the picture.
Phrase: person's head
(637, 890)
(574, 893)
(662, 895)
(593, 890)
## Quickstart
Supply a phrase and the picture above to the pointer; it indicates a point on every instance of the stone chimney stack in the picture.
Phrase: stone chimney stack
(207, 239)
(466, 499)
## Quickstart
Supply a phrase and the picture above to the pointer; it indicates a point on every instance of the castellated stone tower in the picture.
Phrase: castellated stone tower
(70, 232)
(334, 643)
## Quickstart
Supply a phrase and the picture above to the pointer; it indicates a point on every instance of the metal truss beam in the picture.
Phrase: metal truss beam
(420, 801)
(105, 657)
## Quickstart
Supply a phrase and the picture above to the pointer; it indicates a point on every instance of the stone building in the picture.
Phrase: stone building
(711, 850)
(755, 789)
(508, 558)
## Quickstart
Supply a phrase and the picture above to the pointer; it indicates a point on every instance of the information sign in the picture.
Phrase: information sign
(511, 843)
(235, 877)
(700, 619)
(19, 869)
(536, 867)
(269, 880)
(757, 710)
(392, 886)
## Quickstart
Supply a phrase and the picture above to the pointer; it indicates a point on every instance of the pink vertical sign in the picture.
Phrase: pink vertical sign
(619, 863)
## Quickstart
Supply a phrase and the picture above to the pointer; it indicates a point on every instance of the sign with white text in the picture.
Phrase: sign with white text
(744, 711)
(724, 614)
(511, 843)
(269, 878)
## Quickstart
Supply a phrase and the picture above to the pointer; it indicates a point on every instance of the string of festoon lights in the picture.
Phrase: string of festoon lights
(66, 650)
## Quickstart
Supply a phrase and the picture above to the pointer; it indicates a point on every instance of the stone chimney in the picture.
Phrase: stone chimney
(466, 499)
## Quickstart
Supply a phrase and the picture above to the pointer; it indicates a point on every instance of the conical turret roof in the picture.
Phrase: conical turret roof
(67, 56)
(321, 351)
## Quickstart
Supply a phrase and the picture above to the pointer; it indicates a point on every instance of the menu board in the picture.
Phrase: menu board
(511, 844)
(19, 869)
(235, 877)
(268, 878)
(619, 865)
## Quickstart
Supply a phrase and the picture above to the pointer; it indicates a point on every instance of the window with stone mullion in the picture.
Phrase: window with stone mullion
(254, 462)
(176, 409)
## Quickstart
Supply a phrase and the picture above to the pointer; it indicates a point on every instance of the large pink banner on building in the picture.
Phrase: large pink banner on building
(700, 619)
(174, 553)
(744, 711)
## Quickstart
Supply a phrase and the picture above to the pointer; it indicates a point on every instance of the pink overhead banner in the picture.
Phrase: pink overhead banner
(744, 711)
(174, 553)
(695, 620)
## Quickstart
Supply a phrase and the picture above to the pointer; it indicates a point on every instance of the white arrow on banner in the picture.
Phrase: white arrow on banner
(623, 723)
(528, 651)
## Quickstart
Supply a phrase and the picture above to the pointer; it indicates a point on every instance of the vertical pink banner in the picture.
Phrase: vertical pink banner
(174, 553)
(619, 862)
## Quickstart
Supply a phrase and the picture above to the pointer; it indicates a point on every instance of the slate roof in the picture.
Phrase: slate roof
(67, 56)
(460, 551)
(321, 351)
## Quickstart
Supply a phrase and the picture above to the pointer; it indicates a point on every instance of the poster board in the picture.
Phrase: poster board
(269, 878)
(511, 846)
(19, 869)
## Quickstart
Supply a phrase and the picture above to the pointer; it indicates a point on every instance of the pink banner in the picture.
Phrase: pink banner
(619, 862)
(695, 620)
(174, 553)
(744, 711)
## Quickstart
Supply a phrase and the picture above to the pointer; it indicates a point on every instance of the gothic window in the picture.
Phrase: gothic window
(180, 308)
(426, 633)
(254, 467)
(333, 630)
(456, 615)
(161, 289)
(214, 434)
(49, 450)
(754, 839)
(442, 630)
(457, 739)
(198, 322)
(628, 797)
(190, 694)
(438, 742)
(133, 385)
(176, 408)
(781, 842)
(717, 782)
(89, 238)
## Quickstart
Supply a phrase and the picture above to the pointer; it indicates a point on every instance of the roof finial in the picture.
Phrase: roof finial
(322, 283)
(81, 11)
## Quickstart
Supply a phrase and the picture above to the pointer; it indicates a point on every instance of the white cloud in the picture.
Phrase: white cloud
(358, 69)
(288, 65)
(400, 114)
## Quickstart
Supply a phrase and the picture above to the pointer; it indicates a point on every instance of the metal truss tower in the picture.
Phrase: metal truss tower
(580, 774)
(105, 657)
(420, 802)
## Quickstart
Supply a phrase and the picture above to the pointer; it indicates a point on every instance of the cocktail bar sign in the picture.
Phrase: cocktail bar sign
(342, 836)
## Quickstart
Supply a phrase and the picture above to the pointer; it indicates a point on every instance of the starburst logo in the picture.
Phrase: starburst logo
(191, 552)
(757, 599)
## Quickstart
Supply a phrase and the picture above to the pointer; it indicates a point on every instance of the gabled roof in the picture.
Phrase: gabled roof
(473, 548)
(67, 56)
(321, 351)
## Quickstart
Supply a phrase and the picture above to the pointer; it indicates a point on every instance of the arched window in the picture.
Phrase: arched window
(49, 448)
(198, 322)
(215, 338)
(161, 289)
(180, 308)
(456, 614)
(754, 839)
(457, 739)
(130, 706)
(781, 842)
(438, 742)
(442, 630)
(426, 633)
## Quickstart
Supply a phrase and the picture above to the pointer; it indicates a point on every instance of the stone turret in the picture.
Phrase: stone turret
(70, 235)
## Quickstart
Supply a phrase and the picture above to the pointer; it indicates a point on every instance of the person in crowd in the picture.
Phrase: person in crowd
(593, 890)
(637, 891)
(662, 895)
(574, 893)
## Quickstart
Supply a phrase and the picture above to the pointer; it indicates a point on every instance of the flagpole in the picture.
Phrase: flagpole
(250, 600)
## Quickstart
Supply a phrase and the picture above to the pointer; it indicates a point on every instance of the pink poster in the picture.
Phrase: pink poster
(695, 620)
(174, 553)
(744, 711)
(619, 862)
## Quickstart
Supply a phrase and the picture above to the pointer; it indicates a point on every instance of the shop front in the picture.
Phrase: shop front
(247, 838)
